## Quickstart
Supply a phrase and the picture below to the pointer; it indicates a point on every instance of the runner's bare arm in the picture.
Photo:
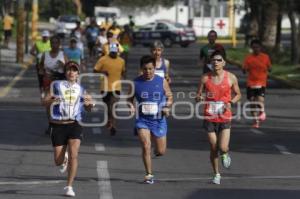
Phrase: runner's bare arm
(200, 90)
(130, 99)
(236, 89)
(33, 50)
(41, 68)
(168, 93)
(48, 99)
(88, 102)
(167, 62)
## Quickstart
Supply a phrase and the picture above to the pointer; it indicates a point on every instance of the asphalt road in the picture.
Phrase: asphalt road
(265, 162)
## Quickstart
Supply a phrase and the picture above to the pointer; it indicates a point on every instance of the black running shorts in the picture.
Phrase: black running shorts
(216, 127)
(61, 133)
(255, 92)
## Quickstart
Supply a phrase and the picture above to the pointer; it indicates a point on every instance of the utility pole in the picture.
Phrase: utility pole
(35, 17)
(213, 4)
(20, 31)
(232, 29)
(176, 11)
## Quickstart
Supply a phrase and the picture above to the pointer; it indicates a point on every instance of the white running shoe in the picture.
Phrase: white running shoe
(149, 179)
(226, 160)
(216, 179)
(63, 168)
(69, 191)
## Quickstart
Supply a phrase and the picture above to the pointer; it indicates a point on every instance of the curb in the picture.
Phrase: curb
(289, 83)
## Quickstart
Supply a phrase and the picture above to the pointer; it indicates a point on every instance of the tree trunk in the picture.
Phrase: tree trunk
(294, 39)
(269, 23)
(298, 44)
(278, 32)
(78, 6)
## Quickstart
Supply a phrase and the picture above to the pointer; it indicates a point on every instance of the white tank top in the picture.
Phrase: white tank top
(54, 64)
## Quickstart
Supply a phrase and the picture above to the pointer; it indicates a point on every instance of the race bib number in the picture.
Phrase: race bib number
(216, 108)
(149, 108)
(94, 34)
(160, 73)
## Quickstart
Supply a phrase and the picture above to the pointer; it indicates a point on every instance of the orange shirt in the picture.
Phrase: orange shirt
(114, 68)
(257, 67)
(8, 22)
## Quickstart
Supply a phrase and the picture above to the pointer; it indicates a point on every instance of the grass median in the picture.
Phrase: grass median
(282, 69)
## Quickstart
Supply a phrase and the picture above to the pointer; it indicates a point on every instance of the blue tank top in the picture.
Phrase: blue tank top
(70, 106)
(162, 70)
(73, 54)
(150, 97)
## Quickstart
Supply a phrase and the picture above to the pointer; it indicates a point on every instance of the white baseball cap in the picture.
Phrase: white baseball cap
(45, 33)
(113, 47)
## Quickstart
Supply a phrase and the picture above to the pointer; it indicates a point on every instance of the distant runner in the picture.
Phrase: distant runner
(207, 50)
(257, 65)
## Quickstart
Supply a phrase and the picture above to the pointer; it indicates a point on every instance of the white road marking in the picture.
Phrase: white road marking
(95, 119)
(99, 147)
(256, 131)
(32, 182)
(11, 84)
(92, 80)
(228, 178)
(96, 131)
(104, 180)
(282, 149)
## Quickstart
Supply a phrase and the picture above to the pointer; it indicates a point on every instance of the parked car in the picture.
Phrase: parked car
(65, 24)
(167, 32)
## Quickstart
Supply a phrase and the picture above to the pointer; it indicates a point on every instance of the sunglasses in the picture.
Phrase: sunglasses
(218, 60)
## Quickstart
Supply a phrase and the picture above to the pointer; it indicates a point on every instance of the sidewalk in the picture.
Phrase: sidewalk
(8, 57)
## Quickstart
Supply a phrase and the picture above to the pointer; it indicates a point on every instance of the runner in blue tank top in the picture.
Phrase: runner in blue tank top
(162, 66)
(153, 99)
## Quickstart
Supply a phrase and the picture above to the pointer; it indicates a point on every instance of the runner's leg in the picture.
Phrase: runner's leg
(214, 155)
(145, 139)
(73, 149)
(59, 154)
(160, 145)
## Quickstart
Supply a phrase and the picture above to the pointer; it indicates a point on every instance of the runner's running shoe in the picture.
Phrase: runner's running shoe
(64, 166)
(255, 125)
(226, 160)
(69, 191)
(262, 116)
(216, 179)
(149, 179)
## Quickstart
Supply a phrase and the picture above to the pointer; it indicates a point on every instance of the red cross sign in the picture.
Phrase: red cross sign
(221, 24)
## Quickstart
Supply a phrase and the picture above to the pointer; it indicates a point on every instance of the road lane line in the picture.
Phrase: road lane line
(256, 131)
(11, 84)
(105, 191)
(96, 131)
(33, 182)
(228, 178)
(95, 119)
(282, 149)
(99, 147)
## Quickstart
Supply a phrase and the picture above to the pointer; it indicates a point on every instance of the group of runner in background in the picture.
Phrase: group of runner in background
(108, 48)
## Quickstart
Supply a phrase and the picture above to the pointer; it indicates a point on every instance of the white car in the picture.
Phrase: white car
(65, 24)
